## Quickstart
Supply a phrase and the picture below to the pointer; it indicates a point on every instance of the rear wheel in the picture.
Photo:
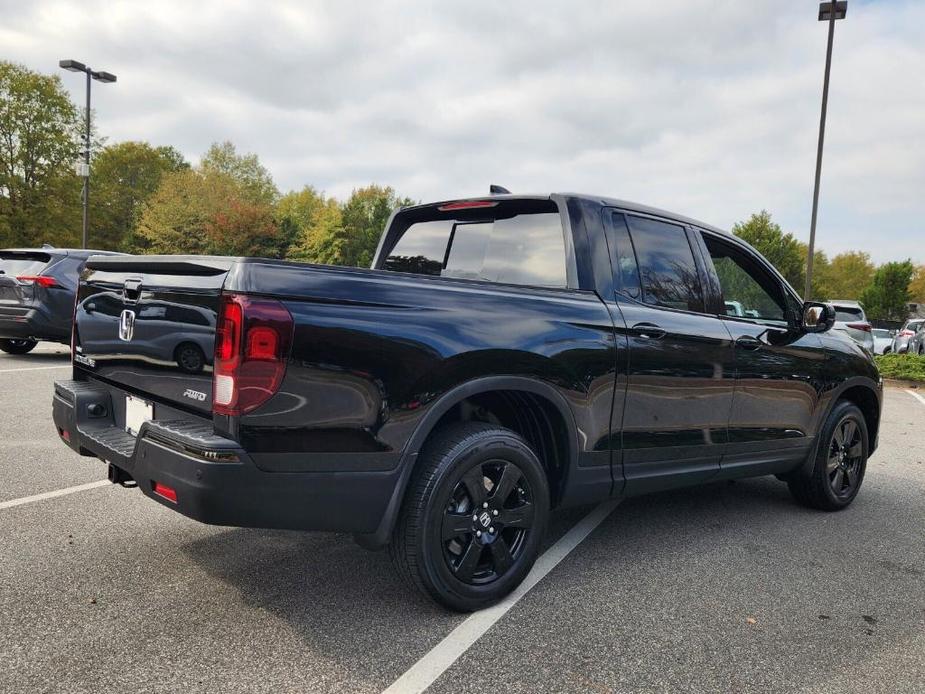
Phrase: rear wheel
(840, 463)
(473, 517)
(17, 346)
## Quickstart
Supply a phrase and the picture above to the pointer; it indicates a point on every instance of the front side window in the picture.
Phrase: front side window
(526, 249)
(666, 265)
(749, 291)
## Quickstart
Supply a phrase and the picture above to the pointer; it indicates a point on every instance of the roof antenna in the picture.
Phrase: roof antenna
(498, 190)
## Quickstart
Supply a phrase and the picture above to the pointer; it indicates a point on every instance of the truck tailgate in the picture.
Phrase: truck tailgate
(147, 324)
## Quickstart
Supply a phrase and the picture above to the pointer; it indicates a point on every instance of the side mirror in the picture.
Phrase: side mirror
(817, 318)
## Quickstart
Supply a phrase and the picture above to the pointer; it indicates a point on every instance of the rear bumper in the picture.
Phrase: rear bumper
(215, 480)
(24, 323)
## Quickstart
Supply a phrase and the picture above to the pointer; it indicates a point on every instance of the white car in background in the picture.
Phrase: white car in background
(851, 320)
(883, 341)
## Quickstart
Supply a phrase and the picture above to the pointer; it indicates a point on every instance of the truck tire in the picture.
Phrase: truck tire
(473, 517)
(17, 346)
(839, 464)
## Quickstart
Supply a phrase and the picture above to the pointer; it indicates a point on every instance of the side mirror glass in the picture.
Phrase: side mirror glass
(817, 317)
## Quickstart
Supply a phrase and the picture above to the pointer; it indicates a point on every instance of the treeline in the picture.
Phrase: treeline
(883, 290)
(147, 199)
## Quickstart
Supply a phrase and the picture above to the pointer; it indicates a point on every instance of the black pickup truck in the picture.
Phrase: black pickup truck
(503, 357)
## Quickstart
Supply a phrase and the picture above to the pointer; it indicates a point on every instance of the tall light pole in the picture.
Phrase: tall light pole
(828, 12)
(100, 76)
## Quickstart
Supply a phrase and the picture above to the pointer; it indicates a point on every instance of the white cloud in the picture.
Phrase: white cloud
(706, 108)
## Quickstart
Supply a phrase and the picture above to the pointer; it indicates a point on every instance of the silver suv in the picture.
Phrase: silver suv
(902, 338)
(851, 320)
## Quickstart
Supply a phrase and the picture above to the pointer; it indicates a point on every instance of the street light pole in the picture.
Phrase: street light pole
(85, 197)
(828, 11)
(100, 76)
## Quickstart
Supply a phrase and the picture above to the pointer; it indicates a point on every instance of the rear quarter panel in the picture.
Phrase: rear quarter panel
(374, 351)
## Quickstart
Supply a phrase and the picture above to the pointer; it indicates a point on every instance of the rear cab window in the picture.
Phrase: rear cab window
(512, 241)
(655, 264)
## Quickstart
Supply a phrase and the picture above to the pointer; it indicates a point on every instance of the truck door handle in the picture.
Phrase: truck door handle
(649, 331)
(748, 342)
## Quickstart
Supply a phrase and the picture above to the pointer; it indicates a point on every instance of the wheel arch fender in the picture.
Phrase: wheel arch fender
(835, 396)
(441, 407)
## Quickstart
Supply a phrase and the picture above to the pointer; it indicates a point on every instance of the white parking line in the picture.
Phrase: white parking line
(34, 368)
(439, 659)
(52, 495)
(916, 396)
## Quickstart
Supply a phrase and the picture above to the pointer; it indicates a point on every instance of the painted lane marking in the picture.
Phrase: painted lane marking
(54, 494)
(34, 368)
(442, 656)
(916, 396)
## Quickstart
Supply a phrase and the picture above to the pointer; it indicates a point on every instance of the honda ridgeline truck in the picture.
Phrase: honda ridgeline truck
(503, 357)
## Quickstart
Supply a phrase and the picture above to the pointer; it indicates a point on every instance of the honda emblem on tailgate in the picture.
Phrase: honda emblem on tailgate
(127, 325)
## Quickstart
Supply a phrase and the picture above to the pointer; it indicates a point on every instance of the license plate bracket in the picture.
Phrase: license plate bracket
(137, 412)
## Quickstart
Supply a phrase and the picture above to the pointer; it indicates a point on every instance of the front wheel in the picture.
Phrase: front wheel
(17, 346)
(840, 462)
(474, 516)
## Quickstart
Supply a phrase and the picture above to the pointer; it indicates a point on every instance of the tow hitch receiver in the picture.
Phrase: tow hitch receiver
(119, 476)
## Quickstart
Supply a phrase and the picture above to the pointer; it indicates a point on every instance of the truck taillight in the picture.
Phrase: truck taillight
(252, 342)
(860, 326)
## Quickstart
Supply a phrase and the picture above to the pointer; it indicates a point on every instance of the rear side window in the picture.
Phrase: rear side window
(666, 266)
(526, 249)
(846, 314)
(19, 264)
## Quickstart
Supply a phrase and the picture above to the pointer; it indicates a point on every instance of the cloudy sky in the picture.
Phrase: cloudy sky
(709, 108)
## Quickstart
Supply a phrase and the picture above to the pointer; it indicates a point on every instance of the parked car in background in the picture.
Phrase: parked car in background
(904, 335)
(917, 341)
(851, 320)
(883, 341)
(37, 290)
(502, 357)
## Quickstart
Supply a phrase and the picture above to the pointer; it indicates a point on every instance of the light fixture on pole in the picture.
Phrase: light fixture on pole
(84, 168)
(828, 12)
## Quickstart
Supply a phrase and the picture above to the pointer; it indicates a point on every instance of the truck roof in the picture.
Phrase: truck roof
(598, 199)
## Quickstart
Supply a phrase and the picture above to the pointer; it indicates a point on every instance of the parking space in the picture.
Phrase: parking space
(727, 587)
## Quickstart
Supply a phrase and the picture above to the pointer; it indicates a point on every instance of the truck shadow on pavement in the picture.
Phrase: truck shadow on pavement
(707, 556)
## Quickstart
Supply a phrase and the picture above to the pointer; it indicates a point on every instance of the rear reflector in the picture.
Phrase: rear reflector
(860, 326)
(165, 492)
(466, 205)
(40, 280)
(65, 434)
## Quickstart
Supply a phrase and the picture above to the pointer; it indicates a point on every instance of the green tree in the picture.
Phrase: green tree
(246, 169)
(849, 274)
(307, 219)
(39, 134)
(210, 210)
(122, 178)
(364, 217)
(782, 250)
(888, 293)
(917, 285)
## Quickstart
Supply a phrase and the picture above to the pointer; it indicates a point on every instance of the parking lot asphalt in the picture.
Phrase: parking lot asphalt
(726, 587)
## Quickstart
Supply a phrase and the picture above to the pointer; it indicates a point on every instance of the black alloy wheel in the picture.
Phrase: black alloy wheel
(488, 518)
(473, 517)
(11, 346)
(839, 462)
(846, 451)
